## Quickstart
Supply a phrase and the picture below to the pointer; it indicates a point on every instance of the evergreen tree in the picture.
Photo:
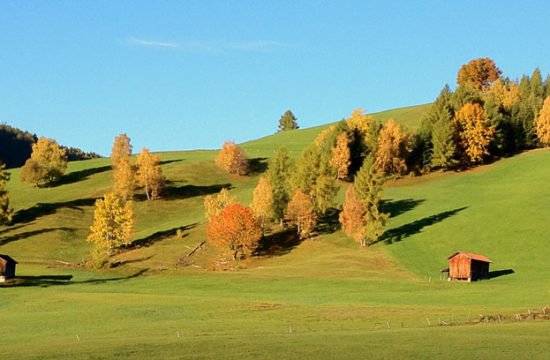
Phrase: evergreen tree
(368, 188)
(444, 147)
(315, 177)
(288, 121)
(6, 211)
(279, 171)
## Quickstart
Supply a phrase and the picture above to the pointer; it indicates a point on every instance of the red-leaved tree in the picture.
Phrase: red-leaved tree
(235, 228)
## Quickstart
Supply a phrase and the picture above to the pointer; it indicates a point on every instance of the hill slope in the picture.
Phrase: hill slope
(321, 298)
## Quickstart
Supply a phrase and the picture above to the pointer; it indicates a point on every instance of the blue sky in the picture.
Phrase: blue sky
(180, 75)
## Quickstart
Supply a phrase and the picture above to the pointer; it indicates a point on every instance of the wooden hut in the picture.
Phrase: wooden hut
(7, 267)
(468, 266)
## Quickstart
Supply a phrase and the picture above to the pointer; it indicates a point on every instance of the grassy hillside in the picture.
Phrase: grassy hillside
(321, 298)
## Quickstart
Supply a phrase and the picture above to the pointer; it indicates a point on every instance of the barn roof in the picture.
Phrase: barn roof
(472, 256)
(6, 258)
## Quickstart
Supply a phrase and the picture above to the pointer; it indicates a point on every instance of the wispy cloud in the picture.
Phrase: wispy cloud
(213, 46)
(153, 43)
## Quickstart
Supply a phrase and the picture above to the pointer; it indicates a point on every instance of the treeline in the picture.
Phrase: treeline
(486, 117)
(16, 147)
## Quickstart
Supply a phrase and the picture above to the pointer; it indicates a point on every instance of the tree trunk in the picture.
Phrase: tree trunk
(147, 191)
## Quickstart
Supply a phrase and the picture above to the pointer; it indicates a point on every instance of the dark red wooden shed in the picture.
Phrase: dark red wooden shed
(7, 267)
(468, 266)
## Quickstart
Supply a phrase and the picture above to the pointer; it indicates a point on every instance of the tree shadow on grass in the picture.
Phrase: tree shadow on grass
(8, 239)
(80, 175)
(185, 191)
(257, 166)
(159, 236)
(132, 261)
(45, 281)
(328, 223)
(398, 207)
(42, 209)
(279, 243)
(498, 273)
(166, 162)
(415, 227)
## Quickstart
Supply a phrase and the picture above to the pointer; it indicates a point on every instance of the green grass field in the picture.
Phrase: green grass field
(322, 298)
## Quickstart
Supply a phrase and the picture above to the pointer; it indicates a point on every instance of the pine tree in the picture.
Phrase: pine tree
(475, 131)
(149, 173)
(301, 213)
(341, 156)
(288, 122)
(6, 211)
(393, 149)
(232, 159)
(262, 200)
(543, 124)
(315, 177)
(47, 163)
(213, 205)
(123, 170)
(112, 227)
(279, 171)
(352, 216)
(368, 189)
(444, 147)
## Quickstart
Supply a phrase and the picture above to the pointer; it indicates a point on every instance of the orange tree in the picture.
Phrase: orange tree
(235, 228)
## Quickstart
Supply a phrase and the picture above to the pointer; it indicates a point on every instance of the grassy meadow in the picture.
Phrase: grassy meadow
(321, 298)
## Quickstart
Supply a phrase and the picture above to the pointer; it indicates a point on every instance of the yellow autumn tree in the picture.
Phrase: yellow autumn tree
(6, 211)
(359, 121)
(506, 95)
(352, 217)
(232, 159)
(475, 131)
(341, 156)
(393, 149)
(47, 163)
(213, 205)
(262, 200)
(112, 227)
(479, 73)
(322, 139)
(123, 170)
(149, 173)
(121, 149)
(301, 213)
(542, 124)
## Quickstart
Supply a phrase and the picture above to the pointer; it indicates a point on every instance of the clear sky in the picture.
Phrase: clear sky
(188, 74)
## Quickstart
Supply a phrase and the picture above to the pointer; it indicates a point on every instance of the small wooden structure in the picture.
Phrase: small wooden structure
(7, 267)
(468, 266)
